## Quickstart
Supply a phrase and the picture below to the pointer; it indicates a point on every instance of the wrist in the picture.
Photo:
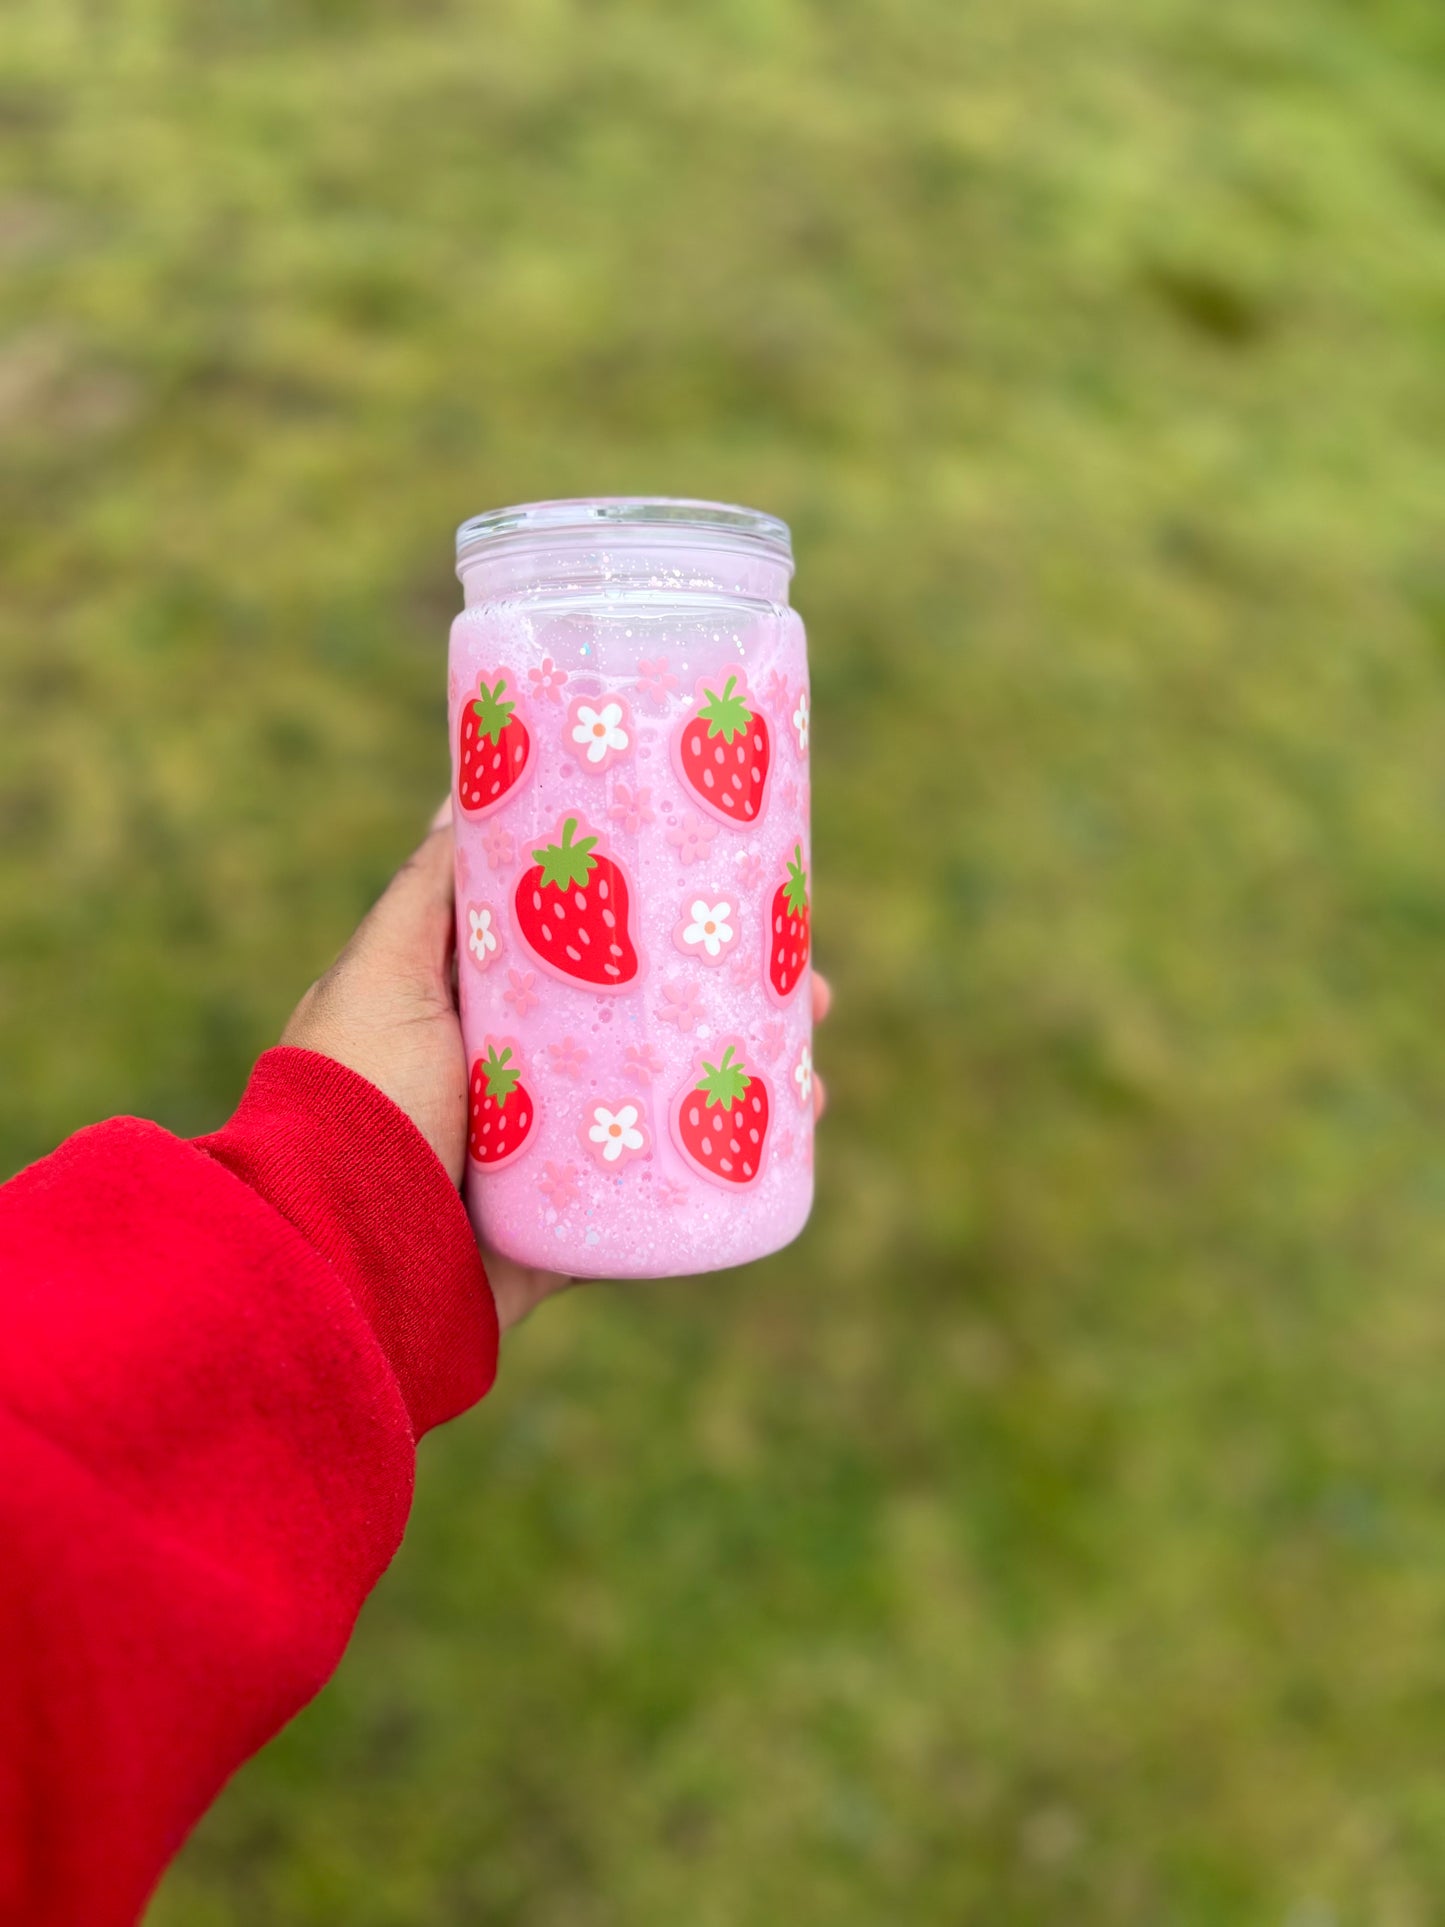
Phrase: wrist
(351, 1172)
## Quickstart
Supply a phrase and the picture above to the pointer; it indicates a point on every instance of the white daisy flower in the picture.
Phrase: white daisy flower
(616, 1131)
(599, 730)
(709, 929)
(803, 1076)
(800, 720)
(482, 941)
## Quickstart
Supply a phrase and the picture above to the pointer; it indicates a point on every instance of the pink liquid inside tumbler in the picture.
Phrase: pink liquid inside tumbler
(629, 730)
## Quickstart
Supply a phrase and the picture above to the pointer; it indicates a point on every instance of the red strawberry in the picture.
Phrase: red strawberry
(720, 1119)
(788, 927)
(722, 753)
(503, 1114)
(572, 912)
(493, 749)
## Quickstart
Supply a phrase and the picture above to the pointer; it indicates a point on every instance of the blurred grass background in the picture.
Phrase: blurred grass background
(1057, 1533)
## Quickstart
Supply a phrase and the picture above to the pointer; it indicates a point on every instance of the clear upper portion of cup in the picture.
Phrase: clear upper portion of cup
(609, 549)
(595, 585)
(656, 523)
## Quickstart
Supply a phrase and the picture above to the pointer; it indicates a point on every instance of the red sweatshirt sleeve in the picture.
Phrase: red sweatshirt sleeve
(215, 1360)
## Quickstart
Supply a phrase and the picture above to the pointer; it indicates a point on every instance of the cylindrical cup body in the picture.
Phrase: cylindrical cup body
(629, 723)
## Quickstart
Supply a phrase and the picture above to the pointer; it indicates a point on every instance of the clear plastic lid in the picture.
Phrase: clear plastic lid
(604, 519)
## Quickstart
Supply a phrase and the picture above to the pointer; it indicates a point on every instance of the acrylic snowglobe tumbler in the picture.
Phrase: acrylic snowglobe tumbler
(629, 729)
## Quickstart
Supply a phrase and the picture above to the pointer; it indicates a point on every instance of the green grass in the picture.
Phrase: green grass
(1057, 1533)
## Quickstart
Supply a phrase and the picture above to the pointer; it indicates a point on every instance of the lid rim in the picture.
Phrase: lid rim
(663, 514)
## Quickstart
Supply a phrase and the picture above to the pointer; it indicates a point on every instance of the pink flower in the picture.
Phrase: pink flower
(778, 689)
(519, 992)
(691, 838)
(547, 681)
(792, 795)
(643, 1062)
(654, 679)
(669, 1192)
(632, 809)
(558, 1182)
(681, 1005)
(773, 1041)
(499, 846)
(567, 1057)
(750, 869)
(744, 969)
(783, 1149)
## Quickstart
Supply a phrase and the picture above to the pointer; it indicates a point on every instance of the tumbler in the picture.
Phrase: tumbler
(629, 728)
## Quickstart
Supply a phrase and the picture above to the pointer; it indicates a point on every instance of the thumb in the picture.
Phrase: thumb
(411, 927)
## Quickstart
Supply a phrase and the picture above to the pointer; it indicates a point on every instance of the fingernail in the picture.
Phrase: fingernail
(442, 817)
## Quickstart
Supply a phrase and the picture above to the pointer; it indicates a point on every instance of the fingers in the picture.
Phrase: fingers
(822, 1004)
(519, 1289)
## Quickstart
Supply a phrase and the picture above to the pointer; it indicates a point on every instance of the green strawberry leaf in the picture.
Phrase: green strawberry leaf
(567, 865)
(491, 711)
(726, 715)
(795, 890)
(502, 1076)
(723, 1083)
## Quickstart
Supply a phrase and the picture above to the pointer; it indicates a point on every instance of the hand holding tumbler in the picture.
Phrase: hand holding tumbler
(629, 729)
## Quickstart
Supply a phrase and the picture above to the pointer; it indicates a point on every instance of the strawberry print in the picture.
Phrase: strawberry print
(723, 752)
(573, 911)
(788, 931)
(502, 1115)
(720, 1117)
(494, 750)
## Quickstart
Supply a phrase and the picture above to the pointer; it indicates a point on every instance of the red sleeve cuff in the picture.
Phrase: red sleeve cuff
(352, 1173)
